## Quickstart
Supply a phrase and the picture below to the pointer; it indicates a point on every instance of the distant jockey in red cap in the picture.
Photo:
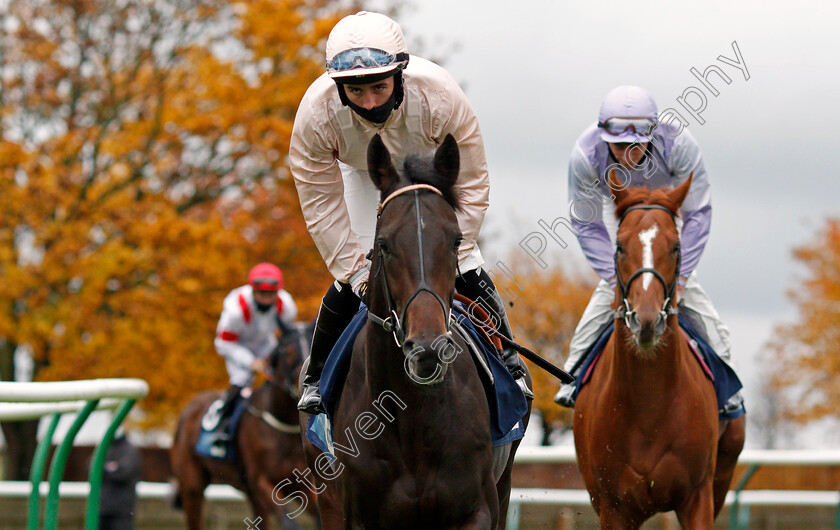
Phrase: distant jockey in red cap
(247, 330)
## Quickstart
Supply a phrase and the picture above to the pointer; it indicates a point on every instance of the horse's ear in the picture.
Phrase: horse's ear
(678, 194)
(618, 189)
(448, 159)
(380, 168)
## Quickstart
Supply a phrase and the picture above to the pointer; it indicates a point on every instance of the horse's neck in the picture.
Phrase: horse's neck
(279, 403)
(656, 370)
(384, 360)
(384, 366)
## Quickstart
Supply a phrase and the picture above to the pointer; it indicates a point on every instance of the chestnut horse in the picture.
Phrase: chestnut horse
(267, 441)
(413, 420)
(647, 433)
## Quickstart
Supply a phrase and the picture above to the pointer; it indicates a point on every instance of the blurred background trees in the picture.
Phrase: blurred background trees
(142, 173)
(546, 305)
(804, 357)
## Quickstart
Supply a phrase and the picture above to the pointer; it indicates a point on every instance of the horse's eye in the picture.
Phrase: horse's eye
(619, 249)
(457, 243)
(383, 246)
(676, 249)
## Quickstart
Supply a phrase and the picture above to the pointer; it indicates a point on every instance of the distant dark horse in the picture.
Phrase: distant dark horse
(413, 418)
(646, 426)
(267, 441)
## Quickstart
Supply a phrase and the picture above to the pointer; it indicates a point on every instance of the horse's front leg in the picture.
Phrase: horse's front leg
(480, 520)
(612, 517)
(699, 512)
(329, 509)
(730, 444)
(260, 516)
(263, 503)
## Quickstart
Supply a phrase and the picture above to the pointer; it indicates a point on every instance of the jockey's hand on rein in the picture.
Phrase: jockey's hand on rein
(678, 293)
(359, 281)
(259, 365)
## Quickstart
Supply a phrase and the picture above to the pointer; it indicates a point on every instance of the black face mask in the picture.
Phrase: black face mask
(381, 113)
(376, 114)
(263, 308)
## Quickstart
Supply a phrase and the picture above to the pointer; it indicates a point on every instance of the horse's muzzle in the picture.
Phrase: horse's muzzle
(647, 327)
(426, 361)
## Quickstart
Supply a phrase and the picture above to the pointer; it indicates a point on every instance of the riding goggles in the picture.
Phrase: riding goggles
(364, 58)
(265, 284)
(617, 126)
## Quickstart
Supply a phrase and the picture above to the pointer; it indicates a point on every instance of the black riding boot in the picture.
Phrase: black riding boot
(478, 286)
(328, 328)
(226, 411)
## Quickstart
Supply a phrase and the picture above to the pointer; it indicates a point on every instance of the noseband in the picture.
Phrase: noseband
(630, 316)
(395, 323)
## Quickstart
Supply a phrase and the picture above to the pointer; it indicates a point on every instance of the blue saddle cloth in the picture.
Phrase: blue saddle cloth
(723, 377)
(208, 443)
(507, 404)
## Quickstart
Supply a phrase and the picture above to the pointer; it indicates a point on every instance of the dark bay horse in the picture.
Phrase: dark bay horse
(647, 433)
(267, 441)
(412, 425)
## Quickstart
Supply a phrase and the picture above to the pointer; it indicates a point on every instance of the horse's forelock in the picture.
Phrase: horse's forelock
(632, 197)
(420, 170)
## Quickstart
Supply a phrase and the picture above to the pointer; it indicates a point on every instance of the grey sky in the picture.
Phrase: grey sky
(536, 72)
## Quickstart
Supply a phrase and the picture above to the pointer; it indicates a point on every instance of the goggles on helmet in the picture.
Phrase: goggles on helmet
(265, 284)
(363, 58)
(617, 126)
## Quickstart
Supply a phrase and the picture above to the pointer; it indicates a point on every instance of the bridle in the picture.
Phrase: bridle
(395, 322)
(630, 316)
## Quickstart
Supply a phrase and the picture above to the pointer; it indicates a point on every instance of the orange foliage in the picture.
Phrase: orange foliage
(806, 352)
(142, 173)
(544, 313)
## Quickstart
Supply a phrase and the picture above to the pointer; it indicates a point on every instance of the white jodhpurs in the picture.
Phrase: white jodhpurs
(239, 375)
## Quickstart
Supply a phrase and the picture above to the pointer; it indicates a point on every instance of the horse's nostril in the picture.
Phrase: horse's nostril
(446, 348)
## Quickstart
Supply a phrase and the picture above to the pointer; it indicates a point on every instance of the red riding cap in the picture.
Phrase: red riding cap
(265, 277)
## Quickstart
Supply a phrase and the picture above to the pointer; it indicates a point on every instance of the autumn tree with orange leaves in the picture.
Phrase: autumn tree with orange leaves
(805, 354)
(545, 306)
(142, 173)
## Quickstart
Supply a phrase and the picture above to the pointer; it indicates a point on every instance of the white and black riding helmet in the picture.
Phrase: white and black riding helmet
(365, 48)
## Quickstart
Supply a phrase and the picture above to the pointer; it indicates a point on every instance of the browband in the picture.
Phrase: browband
(407, 189)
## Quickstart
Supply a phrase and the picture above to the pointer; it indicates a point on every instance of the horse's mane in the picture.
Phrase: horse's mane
(636, 196)
(420, 169)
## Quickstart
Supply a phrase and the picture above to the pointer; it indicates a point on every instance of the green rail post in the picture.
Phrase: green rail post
(98, 463)
(734, 519)
(36, 473)
(59, 461)
(837, 518)
(513, 515)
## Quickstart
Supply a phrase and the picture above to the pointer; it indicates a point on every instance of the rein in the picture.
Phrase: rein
(284, 385)
(483, 322)
(394, 323)
(625, 312)
(267, 417)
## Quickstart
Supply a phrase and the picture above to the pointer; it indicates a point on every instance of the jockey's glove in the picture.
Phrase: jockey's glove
(359, 281)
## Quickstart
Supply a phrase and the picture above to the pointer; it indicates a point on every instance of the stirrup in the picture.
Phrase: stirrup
(221, 436)
(565, 396)
(523, 385)
(310, 402)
